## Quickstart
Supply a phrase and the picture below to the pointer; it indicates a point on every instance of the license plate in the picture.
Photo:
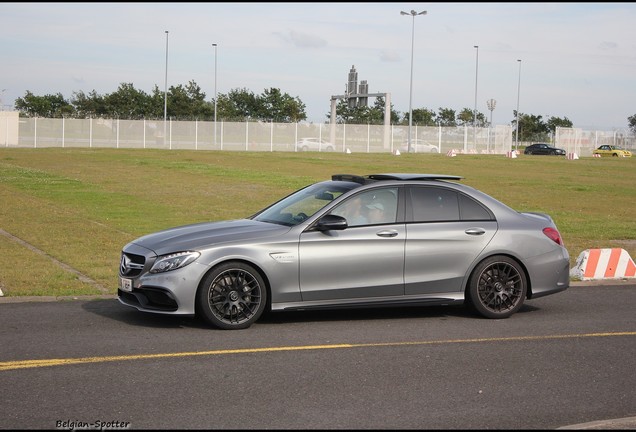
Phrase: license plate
(125, 284)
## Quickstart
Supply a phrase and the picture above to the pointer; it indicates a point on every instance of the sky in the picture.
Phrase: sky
(578, 60)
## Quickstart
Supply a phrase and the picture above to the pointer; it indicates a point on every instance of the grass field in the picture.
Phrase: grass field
(66, 213)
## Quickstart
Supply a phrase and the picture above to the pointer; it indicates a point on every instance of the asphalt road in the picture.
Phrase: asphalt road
(563, 360)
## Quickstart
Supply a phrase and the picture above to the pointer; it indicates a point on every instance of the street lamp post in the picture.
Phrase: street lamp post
(413, 13)
(476, 70)
(165, 93)
(215, 48)
(475, 111)
(517, 113)
(490, 103)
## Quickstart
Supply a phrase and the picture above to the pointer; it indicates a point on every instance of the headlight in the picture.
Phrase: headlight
(173, 261)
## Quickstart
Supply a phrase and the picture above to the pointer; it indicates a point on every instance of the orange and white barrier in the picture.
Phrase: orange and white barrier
(511, 154)
(573, 156)
(604, 264)
(451, 153)
(596, 155)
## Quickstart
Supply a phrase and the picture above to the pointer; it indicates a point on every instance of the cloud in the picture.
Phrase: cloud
(302, 40)
(390, 56)
(608, 45)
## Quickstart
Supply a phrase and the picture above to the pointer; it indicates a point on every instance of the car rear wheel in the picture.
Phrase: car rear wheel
(232, 296)
(497, 287)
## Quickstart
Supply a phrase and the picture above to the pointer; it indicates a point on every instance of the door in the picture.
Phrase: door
(362, 261)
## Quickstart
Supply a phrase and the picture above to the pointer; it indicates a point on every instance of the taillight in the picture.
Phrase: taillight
(554, 235)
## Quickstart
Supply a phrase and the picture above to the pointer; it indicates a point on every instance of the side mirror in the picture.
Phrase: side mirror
(331, 222)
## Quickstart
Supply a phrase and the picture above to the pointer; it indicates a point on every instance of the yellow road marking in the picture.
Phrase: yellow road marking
(25, 364)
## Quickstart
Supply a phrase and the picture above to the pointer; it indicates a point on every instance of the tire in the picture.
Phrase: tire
(232, 296)
(497, 287)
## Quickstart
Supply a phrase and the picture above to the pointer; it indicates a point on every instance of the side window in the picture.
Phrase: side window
(472, 210)
(433, 204)
(369, 208)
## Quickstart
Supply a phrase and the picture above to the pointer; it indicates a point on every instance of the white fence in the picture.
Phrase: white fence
(261, 136)
(583, 143)
(246, 136)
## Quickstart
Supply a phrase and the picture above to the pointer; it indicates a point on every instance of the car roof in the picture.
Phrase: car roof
(392, 176)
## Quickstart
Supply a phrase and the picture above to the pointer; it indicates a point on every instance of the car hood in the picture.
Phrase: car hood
(206, 234)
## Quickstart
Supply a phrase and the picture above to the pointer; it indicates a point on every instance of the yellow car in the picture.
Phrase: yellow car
(610, 150)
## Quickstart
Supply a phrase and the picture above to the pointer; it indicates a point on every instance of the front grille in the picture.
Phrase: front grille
(131, 265)
(150, 298)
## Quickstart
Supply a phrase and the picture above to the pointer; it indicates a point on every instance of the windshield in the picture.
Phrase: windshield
(304, 203)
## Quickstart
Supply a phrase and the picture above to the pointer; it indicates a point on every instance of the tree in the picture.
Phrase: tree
(446, 117)
(280, 108)
(188, 103)
(554, 122)
(421, 117)
(91, 105)
(52, 106)
(157, 102)
(181, 103)
(467, 117)
(631, 121)
(237, 105)
(363, 114)
(531, 127)
(128, 103)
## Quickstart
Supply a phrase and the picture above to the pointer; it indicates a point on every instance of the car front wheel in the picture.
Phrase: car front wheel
(497, 287)
(233, 296)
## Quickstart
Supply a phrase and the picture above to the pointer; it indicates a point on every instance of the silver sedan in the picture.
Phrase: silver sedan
(352, 241)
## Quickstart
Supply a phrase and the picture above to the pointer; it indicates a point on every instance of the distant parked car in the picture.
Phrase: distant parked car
(543, 149)
(613, 151)
(314, 144)
(419, 146)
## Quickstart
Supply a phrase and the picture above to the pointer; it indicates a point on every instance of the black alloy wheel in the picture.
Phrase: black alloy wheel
(497, 287)
(233, 296)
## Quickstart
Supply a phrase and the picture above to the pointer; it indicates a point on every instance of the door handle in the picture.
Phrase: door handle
(475, 231)
(387, 233)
